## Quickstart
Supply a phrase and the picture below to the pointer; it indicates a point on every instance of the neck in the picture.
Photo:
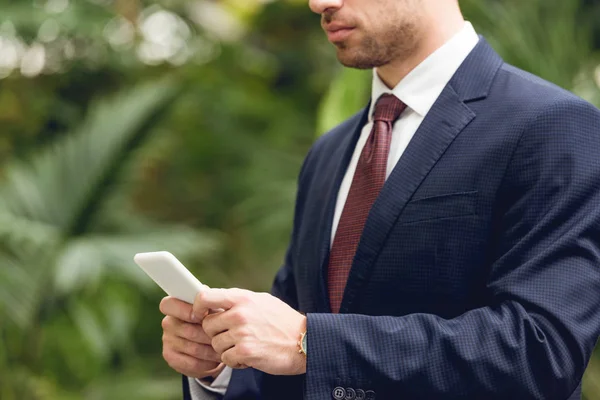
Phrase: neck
(436, 35)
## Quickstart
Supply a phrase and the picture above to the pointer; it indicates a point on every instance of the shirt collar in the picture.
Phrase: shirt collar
(420, 89)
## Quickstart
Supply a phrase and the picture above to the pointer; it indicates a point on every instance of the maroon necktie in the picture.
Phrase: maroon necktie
(366, 185)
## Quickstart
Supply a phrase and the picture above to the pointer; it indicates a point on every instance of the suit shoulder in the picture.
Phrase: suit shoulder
(527, 89)
(529, 103)
(552, 119)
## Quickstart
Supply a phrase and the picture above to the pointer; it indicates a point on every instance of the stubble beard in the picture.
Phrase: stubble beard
(396, 44)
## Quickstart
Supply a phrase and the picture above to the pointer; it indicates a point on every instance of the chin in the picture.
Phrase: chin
(347, 59)
(362, 56)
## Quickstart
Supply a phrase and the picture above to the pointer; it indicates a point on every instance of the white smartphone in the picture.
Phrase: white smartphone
(170, 274)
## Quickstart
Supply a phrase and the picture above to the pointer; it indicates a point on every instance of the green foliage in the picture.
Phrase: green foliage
(349, 92)
(93, 175)
(63, 238)
(553, 39)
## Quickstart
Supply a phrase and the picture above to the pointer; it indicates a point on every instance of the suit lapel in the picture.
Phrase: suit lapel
(447, 118)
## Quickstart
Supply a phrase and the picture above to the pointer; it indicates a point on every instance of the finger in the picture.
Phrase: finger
(223, 342)
(232, 359)
(215, 324)
(218, 299)
(185, 330)
(188, 365)
(193, 349)
(178, 309)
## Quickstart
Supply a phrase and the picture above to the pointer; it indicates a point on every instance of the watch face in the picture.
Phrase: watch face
(304, 347)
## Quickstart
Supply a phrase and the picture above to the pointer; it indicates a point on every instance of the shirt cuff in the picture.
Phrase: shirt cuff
(220, 384)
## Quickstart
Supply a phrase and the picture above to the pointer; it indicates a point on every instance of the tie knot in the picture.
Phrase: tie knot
(388, 108)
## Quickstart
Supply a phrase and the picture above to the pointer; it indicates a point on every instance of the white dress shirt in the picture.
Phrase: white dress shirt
(419, 90)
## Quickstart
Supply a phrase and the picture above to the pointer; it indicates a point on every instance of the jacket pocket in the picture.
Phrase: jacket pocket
(450, 205)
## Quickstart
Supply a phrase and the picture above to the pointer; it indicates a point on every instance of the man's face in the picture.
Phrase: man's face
(370, 33)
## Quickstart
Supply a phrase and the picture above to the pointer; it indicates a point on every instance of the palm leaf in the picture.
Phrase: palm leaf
(64, 184)
(86, 260)
(54, 195)
(55, 240)
(19, 285)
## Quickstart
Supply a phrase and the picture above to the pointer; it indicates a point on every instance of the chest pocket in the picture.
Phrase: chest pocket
(450, 205)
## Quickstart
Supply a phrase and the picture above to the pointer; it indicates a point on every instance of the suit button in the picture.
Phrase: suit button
(339, 393)
(369, 395)
(360, 394)
(350, 394)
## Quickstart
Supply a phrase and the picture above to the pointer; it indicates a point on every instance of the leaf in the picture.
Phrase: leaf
(51, 198)
(64, 184)
(85, 261)
(23, 235)
(91, 329)
(20, 283)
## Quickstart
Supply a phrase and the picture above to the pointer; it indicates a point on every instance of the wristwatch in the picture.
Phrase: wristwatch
(302, 344)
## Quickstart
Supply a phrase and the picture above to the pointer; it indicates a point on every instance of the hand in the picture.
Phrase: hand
(186, 347)
(256, 330)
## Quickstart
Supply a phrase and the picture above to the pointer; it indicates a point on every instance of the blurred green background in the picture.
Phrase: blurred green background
(134, 125)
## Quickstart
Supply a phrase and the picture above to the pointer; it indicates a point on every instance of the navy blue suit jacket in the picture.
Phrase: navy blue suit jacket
(478, 272)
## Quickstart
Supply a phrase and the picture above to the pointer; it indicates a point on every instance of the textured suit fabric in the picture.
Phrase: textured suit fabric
(367, 183)
(478, 272)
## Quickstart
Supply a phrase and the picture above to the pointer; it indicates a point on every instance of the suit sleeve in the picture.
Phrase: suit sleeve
(535, 334)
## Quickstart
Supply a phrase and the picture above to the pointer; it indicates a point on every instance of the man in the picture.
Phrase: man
(445, 241)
